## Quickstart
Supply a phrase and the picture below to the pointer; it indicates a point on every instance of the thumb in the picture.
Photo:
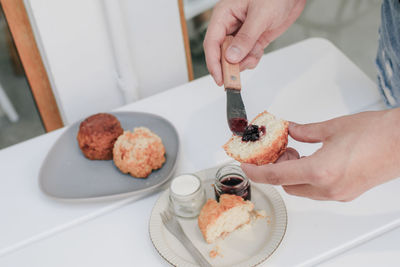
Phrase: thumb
(245, 39)
(310, 133)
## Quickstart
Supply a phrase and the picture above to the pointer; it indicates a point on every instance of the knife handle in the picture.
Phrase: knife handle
(230, 72)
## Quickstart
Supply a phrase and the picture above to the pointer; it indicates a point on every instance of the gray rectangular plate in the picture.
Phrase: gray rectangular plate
(66, 173)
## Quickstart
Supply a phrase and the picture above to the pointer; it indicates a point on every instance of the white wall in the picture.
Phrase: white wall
(74, 43)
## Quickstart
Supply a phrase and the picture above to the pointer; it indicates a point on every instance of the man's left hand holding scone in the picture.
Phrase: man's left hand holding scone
(358, 152)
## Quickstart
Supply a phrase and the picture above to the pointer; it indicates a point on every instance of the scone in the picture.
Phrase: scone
(263, 141)
(139, 152)
(97, 135)
(219, 219)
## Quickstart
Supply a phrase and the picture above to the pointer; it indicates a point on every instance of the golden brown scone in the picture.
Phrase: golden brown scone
(267, 149)
(219, 219)
(139, 152)
(97, 135)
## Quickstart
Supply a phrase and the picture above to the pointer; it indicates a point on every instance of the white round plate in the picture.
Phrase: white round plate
(249, 246)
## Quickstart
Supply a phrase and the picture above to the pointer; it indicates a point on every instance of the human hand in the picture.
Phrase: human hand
(358, 152)
(256, 24)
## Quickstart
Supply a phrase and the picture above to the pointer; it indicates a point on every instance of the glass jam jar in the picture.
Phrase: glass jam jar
(186, 195)
(230, 179)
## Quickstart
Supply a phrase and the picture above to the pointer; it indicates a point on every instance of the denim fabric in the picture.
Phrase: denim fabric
(388, 56)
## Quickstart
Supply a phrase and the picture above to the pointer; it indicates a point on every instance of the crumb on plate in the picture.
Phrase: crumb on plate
(215, 252)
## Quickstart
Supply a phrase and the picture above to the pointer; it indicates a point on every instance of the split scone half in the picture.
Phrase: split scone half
(139, 152)
(271, 143)
(219, 219)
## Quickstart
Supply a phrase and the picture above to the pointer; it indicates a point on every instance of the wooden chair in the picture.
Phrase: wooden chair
(84, 57)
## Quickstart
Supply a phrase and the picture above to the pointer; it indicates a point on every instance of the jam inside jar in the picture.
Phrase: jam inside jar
(230, 179)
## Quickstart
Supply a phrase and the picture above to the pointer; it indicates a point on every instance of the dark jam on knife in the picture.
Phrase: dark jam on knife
(237, 124)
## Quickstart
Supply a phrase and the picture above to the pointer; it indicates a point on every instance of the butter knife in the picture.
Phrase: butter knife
(174, 227)
(235, 110)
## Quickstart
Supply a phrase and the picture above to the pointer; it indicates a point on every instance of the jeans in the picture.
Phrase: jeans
(388, 56)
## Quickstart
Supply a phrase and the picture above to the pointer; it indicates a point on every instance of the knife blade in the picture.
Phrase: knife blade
(235, 110)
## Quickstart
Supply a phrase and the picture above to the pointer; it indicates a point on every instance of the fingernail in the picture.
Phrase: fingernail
(216, 78)
(233, 53)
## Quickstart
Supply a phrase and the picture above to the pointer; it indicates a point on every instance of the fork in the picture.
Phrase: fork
(174, 227)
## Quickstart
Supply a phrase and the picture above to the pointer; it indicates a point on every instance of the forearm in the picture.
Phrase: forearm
(379, 150)
(392, 122)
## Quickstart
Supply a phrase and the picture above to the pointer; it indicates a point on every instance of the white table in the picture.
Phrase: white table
(306, 82)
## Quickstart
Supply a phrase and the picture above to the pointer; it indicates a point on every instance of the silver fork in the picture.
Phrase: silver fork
(174, 227)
